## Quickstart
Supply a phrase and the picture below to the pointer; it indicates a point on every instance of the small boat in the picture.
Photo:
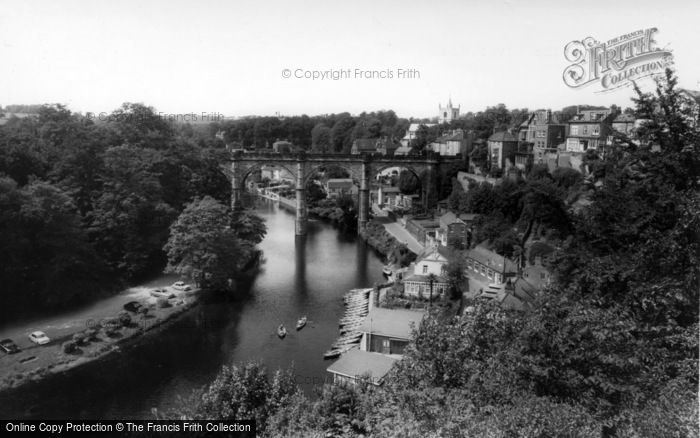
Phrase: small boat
(281, 331)
(301, 323)
(331, 354)
(387, 271)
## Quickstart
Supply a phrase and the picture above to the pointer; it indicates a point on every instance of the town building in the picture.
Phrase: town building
(624, 124)
(411, 135)
(355, 365)
(452, 144)
(544, 132)
(452, 232)
(388, 331)
(364, 145)
(386, 146)
(589, 130)
(427, 279)
(423, 230)
(491, 265)
(283, 147)
(448, 113)
(501, 150)
(337, 187)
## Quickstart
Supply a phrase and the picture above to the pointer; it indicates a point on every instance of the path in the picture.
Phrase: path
(400, 234)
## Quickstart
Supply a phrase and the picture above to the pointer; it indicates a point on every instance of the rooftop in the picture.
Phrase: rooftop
(449, 218)
(394, 323)
(491, 259)
(357, 363)
(503, 136)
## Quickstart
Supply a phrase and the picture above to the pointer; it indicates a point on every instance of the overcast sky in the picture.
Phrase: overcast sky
(229, 56)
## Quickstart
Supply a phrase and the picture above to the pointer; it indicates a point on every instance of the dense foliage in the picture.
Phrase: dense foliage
(86, 203)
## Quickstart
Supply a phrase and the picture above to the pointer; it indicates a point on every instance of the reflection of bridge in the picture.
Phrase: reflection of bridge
(363, 168)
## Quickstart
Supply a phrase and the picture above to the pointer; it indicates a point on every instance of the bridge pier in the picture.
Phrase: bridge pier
(300, 222)
(236, 189)
(363, 207)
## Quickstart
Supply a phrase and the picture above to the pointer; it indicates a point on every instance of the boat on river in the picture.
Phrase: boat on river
(281, 331)
(301, 323)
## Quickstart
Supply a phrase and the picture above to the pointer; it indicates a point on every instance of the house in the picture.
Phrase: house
(624, 124)
(356, 365)
(452, 144)
(523, 155)
(544, 132)
(364, 146)
(337, 187)
(468, 219)
(589, 130)
(387, 146)
(427, 279)
(386, 196)
(423, 230)
(491, 265)
(465, 179)
(388, 331)
(411, 134)
(275, 173)
(452, 231)
(501, 150)
(283, 147)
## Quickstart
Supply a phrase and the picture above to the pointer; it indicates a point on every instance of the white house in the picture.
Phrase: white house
(419, 283)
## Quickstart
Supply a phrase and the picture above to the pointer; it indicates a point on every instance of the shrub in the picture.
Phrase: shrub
(80, 339)
(162, 303)
(124, 318)
(90, 334)
(69, 347)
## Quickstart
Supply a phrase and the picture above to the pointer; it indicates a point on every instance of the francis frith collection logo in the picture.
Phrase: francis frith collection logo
(615, 63)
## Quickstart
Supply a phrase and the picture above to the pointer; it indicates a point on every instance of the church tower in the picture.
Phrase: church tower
(447, 113)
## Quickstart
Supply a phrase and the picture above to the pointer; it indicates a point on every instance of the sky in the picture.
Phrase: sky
(230, 57)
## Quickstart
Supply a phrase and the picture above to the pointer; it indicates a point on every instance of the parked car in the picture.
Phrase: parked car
(132, 306)
(181, 285)
(8, 346)
(39, 338)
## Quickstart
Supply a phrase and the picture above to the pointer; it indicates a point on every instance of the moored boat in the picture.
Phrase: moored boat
(331, 354)
(301, 323)
(281, 331)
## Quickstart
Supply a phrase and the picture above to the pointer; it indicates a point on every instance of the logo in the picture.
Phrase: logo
(615, 63)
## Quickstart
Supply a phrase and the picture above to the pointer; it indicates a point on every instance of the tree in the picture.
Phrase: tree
(454, 271)
(408, 182)
(321, 138)
(203, 245)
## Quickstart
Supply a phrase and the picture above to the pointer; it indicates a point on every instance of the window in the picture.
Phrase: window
(425, 269)
(574, 130)
(585, 129)
(596, 130)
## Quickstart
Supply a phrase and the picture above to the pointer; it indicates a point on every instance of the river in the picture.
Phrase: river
(305, 276)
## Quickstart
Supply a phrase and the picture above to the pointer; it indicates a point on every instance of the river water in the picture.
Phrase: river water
(305, 276)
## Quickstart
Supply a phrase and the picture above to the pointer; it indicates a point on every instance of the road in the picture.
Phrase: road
(400, 233)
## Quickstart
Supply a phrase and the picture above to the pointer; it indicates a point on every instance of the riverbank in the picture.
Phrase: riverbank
(95, 339)
(385, 244)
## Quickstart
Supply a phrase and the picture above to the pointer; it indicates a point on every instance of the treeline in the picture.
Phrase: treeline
(335, 133)
(86, 205)
(609, 349)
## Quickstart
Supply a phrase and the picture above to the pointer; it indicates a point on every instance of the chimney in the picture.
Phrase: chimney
(549, 116)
